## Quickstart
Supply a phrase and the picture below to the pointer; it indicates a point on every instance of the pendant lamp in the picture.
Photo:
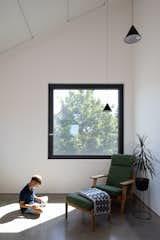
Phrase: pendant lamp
(107, 107)
(133, 35)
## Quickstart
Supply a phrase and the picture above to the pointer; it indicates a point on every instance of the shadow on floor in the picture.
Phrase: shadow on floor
(17, 214)
(78, 226)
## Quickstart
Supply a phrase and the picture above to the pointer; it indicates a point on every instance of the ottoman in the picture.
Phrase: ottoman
(83, 204)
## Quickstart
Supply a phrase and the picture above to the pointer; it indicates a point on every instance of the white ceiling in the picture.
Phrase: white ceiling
(40, 15)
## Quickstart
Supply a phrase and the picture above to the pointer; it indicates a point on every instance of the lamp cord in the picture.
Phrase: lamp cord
(132, 12)
(108, 38)
(68, 14)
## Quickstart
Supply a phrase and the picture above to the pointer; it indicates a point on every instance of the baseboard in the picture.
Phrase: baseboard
(146, 206)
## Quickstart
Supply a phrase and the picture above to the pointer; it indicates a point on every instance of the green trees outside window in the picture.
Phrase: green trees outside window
(78, 126)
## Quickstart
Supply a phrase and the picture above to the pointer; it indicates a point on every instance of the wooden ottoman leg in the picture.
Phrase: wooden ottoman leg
(66, 209)
(92, 221)
(110, 214)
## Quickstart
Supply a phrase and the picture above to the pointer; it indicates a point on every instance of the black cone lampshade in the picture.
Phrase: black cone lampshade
(107, 108)
(132, 36)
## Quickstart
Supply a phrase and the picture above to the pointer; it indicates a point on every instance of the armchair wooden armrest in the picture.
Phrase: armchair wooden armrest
(98, 176)
(95, 178)
(126, 183)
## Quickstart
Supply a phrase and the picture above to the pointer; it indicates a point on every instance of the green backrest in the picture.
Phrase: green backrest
(120, 170)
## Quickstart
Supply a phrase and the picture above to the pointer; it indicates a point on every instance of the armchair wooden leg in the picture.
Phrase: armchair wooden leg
(123, 204)
(132, 191)
(123, 201)
(109, 217)
(66, 212)
(92, 221)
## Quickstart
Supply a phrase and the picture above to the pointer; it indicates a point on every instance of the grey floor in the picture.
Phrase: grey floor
(78, 226)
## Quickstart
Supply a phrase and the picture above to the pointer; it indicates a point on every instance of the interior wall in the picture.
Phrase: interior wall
(76, 53)
(147, 87)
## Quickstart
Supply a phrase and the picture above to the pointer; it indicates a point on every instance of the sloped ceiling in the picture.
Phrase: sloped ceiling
(22, 19)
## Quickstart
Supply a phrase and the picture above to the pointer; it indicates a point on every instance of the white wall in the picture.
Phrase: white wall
(147, 86)
(76, 53)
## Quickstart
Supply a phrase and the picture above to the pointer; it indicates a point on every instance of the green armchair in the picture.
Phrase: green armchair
(119, 184)
(120, 179)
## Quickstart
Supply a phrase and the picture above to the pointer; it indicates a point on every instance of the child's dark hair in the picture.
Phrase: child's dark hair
(37, 178)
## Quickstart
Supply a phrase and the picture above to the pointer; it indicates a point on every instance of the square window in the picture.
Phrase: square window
(78, 126)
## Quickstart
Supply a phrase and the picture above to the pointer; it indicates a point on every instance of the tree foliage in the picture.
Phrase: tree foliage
(97, 130)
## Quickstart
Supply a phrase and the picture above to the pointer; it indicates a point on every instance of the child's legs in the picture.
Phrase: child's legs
(36, 211)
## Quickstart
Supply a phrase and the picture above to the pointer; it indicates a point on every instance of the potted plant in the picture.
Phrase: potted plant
(143, 163)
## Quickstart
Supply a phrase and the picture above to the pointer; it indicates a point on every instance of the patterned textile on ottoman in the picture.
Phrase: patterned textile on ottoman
(101, 200)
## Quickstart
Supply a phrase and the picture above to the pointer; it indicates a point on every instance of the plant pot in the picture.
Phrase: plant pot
(142, 184)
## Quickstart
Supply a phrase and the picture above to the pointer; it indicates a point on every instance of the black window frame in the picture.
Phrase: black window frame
(52, 87)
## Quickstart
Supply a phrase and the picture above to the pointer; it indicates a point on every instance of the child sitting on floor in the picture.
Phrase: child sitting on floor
(28, 200)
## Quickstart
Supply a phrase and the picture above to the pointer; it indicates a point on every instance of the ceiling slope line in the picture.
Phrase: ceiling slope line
(15, 46)
(30, 31)
(70, 19)
(25, 19)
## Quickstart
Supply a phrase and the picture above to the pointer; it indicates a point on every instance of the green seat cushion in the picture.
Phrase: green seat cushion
(111, 190)
(80, 201)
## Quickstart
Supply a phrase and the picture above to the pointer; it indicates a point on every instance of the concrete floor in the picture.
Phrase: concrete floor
(78, 225)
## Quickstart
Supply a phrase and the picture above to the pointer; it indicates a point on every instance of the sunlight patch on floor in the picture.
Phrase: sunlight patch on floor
(12, 221)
